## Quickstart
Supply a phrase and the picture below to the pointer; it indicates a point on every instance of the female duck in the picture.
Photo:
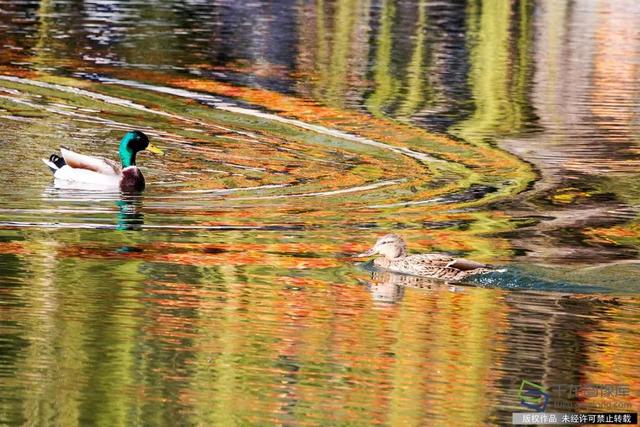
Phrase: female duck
(395, 258)
(81, 171)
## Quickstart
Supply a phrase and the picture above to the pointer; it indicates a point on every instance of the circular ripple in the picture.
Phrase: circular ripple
(227, 164)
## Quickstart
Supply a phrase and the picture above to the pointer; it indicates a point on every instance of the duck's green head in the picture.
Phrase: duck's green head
(131, 143)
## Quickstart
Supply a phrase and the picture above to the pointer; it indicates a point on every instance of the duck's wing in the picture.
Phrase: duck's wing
(430, 260)
(446, 261)
(91, 163)
(466, 265)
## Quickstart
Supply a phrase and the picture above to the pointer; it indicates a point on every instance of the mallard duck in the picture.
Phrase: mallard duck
(394, 258)
(79, 170)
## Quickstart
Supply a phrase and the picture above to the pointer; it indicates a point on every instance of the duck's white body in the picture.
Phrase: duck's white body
(68, 177)
(93, 173)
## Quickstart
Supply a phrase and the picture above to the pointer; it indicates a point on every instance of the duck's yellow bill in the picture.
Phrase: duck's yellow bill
(154, 149)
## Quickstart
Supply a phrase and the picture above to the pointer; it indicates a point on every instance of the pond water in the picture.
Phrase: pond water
(295, 133)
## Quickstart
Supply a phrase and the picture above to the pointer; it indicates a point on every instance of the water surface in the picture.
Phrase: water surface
(295, 134)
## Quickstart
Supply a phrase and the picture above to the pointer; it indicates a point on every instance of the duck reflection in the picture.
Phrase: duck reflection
(69, 205)
(130, 214)
(388, 287)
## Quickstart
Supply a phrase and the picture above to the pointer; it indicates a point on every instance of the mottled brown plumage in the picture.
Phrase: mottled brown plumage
(395, 258)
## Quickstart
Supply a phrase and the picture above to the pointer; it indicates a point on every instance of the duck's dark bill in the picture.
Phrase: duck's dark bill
(370, 252)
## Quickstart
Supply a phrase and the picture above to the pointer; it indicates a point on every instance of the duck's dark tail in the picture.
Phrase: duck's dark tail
(55, 162)
(467, 265)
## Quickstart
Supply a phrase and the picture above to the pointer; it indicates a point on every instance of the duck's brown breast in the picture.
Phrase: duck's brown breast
(132, 179)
